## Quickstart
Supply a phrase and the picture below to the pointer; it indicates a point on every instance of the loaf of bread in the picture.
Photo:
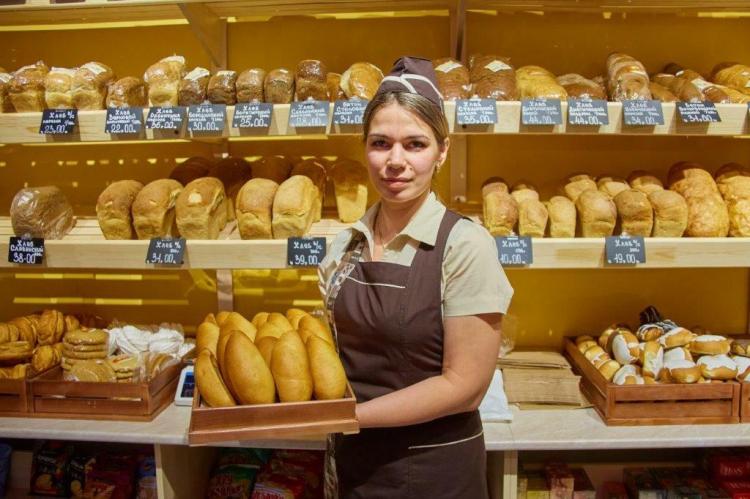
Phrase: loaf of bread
(193, 87)
(612, 186)
(114, 208)
(645, 182)
(293, 207)
(707, 213)
(532, 218)
(684, 90)
(90, 83)
(154, 209)
(500, 210)
(562, 217)
(452, 78)
(577, 185)
(597, 214)
(734, 75)
(163, 81)
(41, 212)
(127, 92)
(201, 209)
(315, 170)
(278, 87)
(492, 77)
(26, 88)
(254, 208)
(350, 189)
(522, 192)
(670, 213)
(6, 106)
(231, 170)
(310, 81)
(276, 168)
(191, 169)
(361, 80)
(733, 181)
(535, 82)
(58, 88)
(335, 92)
(635, 216)
(579, 87)
(661, 93)
(710, 91)
(222, 88)
(627, 78)
(250, 85)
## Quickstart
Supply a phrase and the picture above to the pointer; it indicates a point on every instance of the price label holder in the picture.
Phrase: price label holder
(588, 112)
(698, 112)
(349, 114)
(165, 119)
(305, 251)
(252, 116)
(311, 114)
(625, 250)
(472, 112)
(26, 250)
(165, 251)
(124, 120)
(642, 113)
(541, 112)
(515, 251)
(207, 118)
(58, 121)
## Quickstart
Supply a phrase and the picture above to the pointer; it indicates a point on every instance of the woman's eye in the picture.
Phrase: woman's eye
(378, 143)
(417, 145)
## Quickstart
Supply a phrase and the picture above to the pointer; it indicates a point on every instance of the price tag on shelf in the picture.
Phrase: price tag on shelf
(588, 112)
(625, 250)
(252, 115)
(541, 112)
(58, 121)
(308, 114)
(123, 120)
(26, 250)
(165, 251)
(515, 250)
(642, 112)
(207, 118)
(349, 112)
(476, 111)
(165, 118)
(698, 112)
(305, 251)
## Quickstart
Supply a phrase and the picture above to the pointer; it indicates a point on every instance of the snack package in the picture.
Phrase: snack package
(277, 486)
(232, 482)
(49, 469)
(147, 479)
(112, 477)
(79, 466)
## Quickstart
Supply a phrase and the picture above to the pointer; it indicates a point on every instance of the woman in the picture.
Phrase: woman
(415, 296)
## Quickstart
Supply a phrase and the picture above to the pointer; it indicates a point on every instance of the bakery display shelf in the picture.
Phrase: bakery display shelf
(598, 6)
(14, 397)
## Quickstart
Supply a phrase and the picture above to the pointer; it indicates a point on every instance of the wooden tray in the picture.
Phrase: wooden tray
(14, 397)
(270, 421)
(655, 404)
(745, 403)
(52, 397)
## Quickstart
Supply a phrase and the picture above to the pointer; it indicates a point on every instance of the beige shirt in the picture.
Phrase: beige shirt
(473, 282)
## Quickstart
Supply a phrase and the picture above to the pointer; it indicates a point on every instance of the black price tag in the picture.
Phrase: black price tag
(541, 112)
(125, 120)
(625, 250)
(165, 118)
(166, 251)
(58, 121)
(207, 118)
(308, 114)
(588, 112)
(476, 111)
(642, 112)
(515, 250)
(305, 251)
(26, 250)
(349, 112)
(252, 115)
(698, 112)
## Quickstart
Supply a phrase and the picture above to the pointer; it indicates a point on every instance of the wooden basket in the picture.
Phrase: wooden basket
(269, 421)
(14, 397)
(664, 404)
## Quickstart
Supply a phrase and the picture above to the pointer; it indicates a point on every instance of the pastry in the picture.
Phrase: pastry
(15, 352)
(210, 385)
(58, 88)
(735, 75)
(710, 344)
(649, 332)
(717, 367)
(492, 77)
(562, 217)
(201, 210)
(532, 218)
(577, 185)
(193, 88)
(250, 85)
(310, 81)
(627, 78)
(90, 83)
(276, 168)
(578, 87)
(739, 346)
(585, 345)
(41, 212)
(294, 207)
(350, 189)
(9, 332)
(333, 84)
(315, 171)
(127, 92)
(611, 186)
(733, 181)
(676, 337)
(361, 80)
(683, 371)
(609, 369)
(624, 347)
(91, 337)
(595, 354)
(254, 208)
(597, 214)
(452, 79)
(652, 358)
(278, 86)
(113, 209)
(26, 88)
(154, 209)
(163, 81)
(222, 88)
(678, 353)
(628, 375)
(97, 371)
(743, 368)
(604, 338)
(670, 213)
(645, 182)
(192, 168)
(535, 82)
(635, 216)
(26, 330)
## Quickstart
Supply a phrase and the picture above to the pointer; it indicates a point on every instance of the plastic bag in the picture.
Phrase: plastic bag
(41, 212)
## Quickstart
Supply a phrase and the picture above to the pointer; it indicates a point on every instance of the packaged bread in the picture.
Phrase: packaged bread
(58, 88)
(349, 179)
(562, 217)
(684, 90)
(90, 83)
(333, 83)
(191, 169)
(535, 82)
(41, 212)
(6, 106)
(201, 209)
(163, 81)
(222, 88)
(127, 92)
(276, 168)
(707, 212)
(310, 81)
(154, 209)
(278, 86)
(645, 182)
(193, 88)
(114, 207)
(735, 75)
(294, 207)
(500, 209)
(452, 78)
(710, 91)
(670, 213)
(254, 208)
(315, 170)
(361, 80)
(611, 186)
(627, 78)
(577, 185)
(492, 77)
(532, 218)
(661, 93)
(250, 85)
(597, 214)
(579, 87)
(635, 216)
(733, 181)
(26, 88)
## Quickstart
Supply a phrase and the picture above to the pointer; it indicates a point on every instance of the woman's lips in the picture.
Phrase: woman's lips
(395, 184)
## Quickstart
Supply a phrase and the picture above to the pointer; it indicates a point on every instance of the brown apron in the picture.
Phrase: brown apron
(389, 329)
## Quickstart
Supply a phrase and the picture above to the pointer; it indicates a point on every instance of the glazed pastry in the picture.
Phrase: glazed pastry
(679, 353)
(741, 347)
(717, 367)
(676, 337)
(609, 369)
(649, 332)
(652, 358)
(743, 368)
(683, 371)
(710, 344)
(604, 338)
(628, 375)
(624, 346)
(597, 214)
(635, 216)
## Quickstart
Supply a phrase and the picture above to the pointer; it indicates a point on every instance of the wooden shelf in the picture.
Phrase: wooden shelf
(598, 6)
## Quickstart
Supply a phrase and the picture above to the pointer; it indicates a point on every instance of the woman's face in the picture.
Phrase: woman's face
(402, 154)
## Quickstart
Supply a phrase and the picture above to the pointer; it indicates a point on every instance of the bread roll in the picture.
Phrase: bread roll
(294, 315)
(191, 169)
(652, 358)
(645, 182)
(661, 93)
(250, 85)
(278, 87)
(612, 186)
(492, 77)
(597, 214)
(154, 209)
(578, 184)
(222, 88)
(624, 347)
(251, 379)
(578, 87)
(328, 376)
(628, 375)
(677, 354)
(707, 213)
(627, 78)
(193, 88)
(127, 92)
(41, 212)
(255, 208)
(710, 344)
(6, 106)
(90, 83)
(733, 181)
(206, 337)
(720, 367)
(676, 337)
(361, 80)
(532, 218)
(350, 188)
(113, 209)
(209, 382)
(163, 80)
(535, 82)
(315, 170)
(265, 347)
(294, 207)
(604, 338)
(670, 213)
(276, 168)
(310, 81)
(58, 88)
(500, 210)
(562, 217)
(452, 79)
(649, 332)
(635, 216)
(609, 369)
(201, 209)
(333, 83)
(291, 369)
(743, 368)
(26, 88)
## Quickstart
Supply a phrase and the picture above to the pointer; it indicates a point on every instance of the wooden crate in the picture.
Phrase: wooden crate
(745, 403)
(271, 421)
(655, 404)
(14, 397)
(52, 397)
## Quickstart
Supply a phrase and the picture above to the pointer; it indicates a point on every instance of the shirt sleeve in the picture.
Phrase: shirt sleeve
(473, 279)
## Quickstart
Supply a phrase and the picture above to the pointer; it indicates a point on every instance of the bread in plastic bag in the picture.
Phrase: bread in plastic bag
(41, 212)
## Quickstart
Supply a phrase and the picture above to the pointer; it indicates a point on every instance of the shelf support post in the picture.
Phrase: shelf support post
(458, 30)
(458, 155)
(510, 474)
(210, 30)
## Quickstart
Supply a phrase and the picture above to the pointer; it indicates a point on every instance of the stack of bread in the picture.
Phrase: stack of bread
(274, 357)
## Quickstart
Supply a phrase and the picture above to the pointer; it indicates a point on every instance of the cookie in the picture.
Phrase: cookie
(93, 371)
(88, 337)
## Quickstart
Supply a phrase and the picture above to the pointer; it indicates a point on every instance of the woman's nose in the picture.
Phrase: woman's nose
(396, 158)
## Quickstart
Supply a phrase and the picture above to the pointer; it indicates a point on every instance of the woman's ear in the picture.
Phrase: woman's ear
(444, 151)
